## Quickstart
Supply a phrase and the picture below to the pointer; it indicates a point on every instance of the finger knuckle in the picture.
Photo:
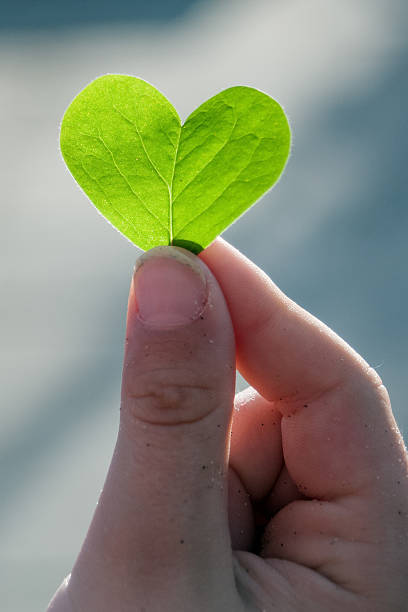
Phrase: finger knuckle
(167, 398)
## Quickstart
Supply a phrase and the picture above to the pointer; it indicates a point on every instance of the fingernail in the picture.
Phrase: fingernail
(170, 288)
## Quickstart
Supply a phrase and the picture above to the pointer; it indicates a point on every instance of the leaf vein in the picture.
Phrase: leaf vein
(208, 163)
(89, 175)
(135, 126)
(128, 184)
(214, 202)
(187, 155)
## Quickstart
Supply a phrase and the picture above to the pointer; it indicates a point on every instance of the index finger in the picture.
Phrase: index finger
(338, 432)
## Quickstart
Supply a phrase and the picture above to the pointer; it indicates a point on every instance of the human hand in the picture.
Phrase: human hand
(304, 507)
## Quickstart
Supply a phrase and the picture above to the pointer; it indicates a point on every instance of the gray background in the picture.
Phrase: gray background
(332, 233)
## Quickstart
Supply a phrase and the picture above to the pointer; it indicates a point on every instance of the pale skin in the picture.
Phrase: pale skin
(293, 499)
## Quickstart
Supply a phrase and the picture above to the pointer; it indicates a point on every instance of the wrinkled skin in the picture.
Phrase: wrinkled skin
(296, 499)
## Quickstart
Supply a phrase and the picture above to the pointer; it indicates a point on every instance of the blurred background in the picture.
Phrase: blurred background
(332, 233)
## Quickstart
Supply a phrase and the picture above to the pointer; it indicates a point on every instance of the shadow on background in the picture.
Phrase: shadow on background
(49, 14)
(366, 237)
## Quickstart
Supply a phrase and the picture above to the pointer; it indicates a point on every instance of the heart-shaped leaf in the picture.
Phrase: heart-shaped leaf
(161, 183)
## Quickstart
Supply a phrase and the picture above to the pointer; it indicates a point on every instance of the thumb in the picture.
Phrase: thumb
(163, 509)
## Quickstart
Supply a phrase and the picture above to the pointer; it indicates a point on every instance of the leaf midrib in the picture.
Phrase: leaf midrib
(169, 186)
(210, 204)
(171, 202)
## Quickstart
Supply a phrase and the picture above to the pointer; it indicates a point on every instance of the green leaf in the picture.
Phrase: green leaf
(161, 183)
